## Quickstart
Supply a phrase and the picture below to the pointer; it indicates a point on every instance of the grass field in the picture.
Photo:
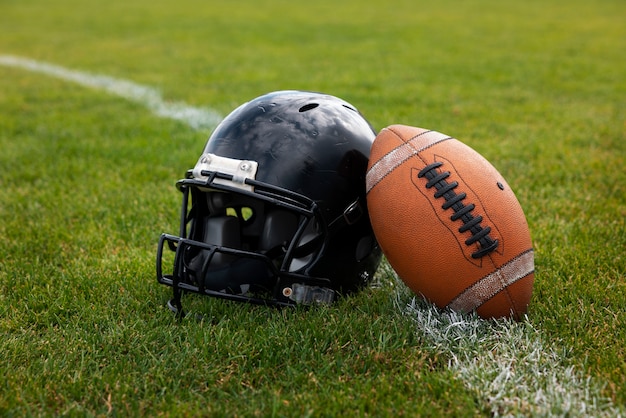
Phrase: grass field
(87, 186)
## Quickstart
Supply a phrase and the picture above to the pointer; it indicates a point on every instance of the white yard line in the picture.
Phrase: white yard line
(200, 118)
(510, 366)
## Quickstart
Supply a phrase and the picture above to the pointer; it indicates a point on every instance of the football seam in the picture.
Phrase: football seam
(450, 227)
(485, 212)
(437, 178)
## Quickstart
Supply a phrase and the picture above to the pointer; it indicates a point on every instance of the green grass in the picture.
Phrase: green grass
(86, 188)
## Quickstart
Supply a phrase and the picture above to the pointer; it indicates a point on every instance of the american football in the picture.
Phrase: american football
(449, 224)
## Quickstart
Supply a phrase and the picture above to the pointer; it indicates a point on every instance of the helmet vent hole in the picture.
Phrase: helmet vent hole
(308, 107)
(351, 108)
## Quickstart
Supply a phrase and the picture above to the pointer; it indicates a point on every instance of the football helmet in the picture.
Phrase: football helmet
(274, 211)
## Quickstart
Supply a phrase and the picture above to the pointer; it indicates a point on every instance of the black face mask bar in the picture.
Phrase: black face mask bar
(268, 271)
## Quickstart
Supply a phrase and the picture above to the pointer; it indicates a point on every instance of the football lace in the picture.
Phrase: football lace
(437, 179)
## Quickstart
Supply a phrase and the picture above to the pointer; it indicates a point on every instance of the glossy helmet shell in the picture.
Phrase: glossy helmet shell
(305, 144)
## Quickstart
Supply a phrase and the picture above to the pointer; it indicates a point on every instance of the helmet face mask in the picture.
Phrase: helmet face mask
(274, 210)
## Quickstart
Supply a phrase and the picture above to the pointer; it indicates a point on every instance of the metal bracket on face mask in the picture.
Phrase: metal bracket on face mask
(308, 295)
(239, 169)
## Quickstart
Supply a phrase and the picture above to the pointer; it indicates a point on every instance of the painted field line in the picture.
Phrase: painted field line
(195, 117)
(509, 365)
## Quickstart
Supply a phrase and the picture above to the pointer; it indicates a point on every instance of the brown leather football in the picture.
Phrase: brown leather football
(449, 224)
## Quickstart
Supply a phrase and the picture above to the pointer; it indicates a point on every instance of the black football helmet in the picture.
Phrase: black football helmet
(274, 211)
